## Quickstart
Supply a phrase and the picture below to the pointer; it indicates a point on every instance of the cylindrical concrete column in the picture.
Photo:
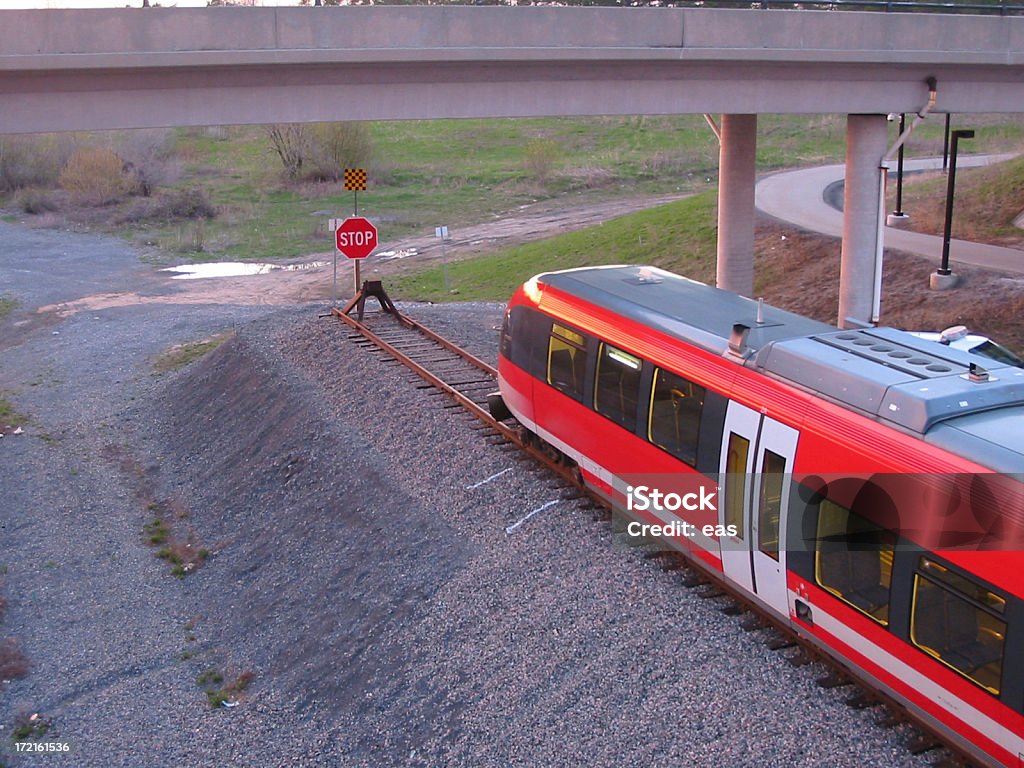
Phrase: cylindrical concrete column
(736, 176)
(865, 146)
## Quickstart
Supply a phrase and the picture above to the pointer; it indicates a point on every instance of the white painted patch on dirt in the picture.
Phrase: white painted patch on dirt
(236, 269)
(402, 253)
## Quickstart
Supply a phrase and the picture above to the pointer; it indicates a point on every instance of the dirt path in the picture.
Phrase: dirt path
(284, 287)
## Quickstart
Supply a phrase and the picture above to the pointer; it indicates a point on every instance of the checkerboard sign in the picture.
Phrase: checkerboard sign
(355, 180)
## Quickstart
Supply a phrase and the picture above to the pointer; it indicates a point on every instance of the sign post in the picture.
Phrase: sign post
(356, 238)
(359, 231)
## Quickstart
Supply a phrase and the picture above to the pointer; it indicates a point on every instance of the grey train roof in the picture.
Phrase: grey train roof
(919, 385)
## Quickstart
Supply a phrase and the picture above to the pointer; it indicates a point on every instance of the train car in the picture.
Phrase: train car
(863, 486)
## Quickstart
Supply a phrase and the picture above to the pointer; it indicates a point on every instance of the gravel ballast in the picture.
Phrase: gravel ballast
(357, 573)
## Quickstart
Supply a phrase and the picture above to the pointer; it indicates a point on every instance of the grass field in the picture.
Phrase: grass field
(454, 172)
(428, 173)
(987, 201)
(680, 237)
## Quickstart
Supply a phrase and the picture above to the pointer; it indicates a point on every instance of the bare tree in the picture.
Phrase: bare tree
(321, 151)
(291, 143)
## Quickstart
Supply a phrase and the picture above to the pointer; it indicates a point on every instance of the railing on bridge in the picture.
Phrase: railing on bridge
(977, 7)
(983, 7)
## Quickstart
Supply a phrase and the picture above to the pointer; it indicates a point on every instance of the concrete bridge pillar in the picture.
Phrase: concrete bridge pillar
(736, 177)
(866, 137)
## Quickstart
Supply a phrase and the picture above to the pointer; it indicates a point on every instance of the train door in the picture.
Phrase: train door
(756, 469)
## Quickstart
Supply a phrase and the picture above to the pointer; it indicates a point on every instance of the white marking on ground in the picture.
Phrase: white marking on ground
(541, 508)
(489, 479)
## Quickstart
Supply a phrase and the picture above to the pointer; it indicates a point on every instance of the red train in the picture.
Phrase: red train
(864, 486)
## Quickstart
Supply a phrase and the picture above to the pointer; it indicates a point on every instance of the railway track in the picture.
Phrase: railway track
(451, 371)
(463, 377)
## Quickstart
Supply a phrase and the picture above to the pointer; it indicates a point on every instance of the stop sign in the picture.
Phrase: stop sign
(356, 237)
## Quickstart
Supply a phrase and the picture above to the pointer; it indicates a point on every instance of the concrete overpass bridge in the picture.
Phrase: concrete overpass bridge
(134, 68)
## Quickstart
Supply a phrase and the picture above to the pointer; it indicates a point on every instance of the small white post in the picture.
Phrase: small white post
(333, 225)
(442, 232)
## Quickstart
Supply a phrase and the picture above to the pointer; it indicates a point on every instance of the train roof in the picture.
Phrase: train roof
(919, 385)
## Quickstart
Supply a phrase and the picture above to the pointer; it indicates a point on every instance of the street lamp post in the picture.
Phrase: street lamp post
(945, 145)
(944, 277)
(898, 217)
(899, 172)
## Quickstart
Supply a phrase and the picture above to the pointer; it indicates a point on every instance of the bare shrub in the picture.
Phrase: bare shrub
(189, 203)
(337, 146)
(94, 176)
(149, 160)
(172, 205)
(13, 663)
(35, 201)
(668, 162)
(590, 177)
(29, 161)
(321, 151)
(540, 158)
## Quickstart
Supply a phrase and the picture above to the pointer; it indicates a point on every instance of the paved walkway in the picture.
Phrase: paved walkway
(798, 197)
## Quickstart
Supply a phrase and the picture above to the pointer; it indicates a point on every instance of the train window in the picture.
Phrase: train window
(853, 560)
(964, 585)
(957, 621)
(618, 386)
(773, 469)
(567, 361)
(735, 482)
(505, 348)
(674, 419)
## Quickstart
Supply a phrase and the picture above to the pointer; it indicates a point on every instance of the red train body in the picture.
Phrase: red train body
(863, 486)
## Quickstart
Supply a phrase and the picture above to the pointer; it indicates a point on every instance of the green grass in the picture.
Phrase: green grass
(9, 417)
(217, 696)
(156, 531)
(679, 236)
(7, 306)
(181, 355)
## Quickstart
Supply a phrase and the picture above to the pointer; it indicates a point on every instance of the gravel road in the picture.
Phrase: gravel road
(359, 599)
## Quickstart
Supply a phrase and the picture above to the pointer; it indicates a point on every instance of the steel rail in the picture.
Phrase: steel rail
(470, 405)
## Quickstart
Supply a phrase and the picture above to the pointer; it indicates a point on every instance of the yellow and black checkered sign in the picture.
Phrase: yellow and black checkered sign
(355, 180)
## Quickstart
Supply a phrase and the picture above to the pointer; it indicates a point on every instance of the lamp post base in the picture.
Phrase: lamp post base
(939, 281)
